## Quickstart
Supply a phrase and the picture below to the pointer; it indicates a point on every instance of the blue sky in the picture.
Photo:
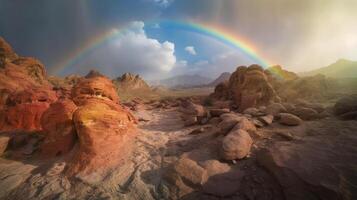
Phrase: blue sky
(299, 35)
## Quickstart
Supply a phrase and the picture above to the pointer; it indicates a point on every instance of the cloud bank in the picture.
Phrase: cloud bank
(133, 51)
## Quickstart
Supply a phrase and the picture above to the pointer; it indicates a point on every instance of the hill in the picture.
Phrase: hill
(340, 69)
(185, 81)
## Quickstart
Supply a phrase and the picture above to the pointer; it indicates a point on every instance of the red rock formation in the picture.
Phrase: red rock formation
(59, 128)
(96, 87)
(24, 91)
(248, 87)
(104, 128)
(24, 109)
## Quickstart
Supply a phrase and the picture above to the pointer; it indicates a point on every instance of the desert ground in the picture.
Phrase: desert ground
(254, 136)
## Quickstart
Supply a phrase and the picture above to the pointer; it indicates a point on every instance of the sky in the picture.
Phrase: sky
(67, 35)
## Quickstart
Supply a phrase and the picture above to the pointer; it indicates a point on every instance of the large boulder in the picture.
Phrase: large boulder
(58, 127)
(346, 107)
(105, 130)
(248, 87)
(236, 145)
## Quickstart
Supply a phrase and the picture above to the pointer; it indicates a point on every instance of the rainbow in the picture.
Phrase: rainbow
(213, 31)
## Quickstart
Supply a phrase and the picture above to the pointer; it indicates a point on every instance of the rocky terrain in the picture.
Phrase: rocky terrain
(263, 134)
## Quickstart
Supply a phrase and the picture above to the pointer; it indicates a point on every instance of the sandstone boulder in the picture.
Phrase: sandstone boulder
(105, 132)
(246, 125)
(227, 125)
(305, 113)
(289, 119)
(236, 145)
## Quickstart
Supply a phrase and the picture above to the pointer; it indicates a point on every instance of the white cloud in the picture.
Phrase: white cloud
(191, 50)
(133, 51)
(162, 3)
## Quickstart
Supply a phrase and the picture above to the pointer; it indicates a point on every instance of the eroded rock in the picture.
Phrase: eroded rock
(58, 126)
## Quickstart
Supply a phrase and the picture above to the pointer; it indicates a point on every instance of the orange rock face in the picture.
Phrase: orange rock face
(248, 87)
(58, 126)
(96, 87)
(24, 91)
(105, 129)
(24, 109)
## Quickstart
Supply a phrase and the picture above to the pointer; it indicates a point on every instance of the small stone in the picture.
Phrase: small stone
(267, 120)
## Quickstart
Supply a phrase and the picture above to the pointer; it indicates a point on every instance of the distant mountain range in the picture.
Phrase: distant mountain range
(183, 81)
(223, 77)
(341, 69)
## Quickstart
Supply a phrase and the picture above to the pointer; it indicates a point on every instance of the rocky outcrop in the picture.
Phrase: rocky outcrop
(248, 87)
(130, 81)
(58, 127)
(96, 87)
(105, 130)
(24, 91)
